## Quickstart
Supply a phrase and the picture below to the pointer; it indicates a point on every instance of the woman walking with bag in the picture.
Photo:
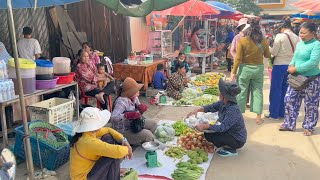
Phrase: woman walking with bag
(282, 51)
(305, 63)
(249, 57)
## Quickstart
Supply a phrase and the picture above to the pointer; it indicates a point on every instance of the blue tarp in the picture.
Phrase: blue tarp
(302, 15)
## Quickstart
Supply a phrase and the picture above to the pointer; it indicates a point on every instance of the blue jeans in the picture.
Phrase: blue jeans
(279, 86)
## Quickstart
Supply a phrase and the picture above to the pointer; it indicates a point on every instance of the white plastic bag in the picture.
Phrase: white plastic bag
(164, 133)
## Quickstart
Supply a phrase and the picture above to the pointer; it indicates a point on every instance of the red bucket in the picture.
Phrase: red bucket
(66, 79)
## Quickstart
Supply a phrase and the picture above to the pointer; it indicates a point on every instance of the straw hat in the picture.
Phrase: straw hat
(229, 90)
(130, 87)
(91, 119)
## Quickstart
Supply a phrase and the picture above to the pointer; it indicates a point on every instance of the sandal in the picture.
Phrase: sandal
(259, 122)
(307, 132)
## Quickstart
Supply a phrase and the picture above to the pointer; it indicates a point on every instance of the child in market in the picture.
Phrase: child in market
(159, 78)
(103, 76)
(181, 58)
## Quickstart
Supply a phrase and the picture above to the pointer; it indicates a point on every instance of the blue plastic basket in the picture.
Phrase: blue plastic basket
(51, 158)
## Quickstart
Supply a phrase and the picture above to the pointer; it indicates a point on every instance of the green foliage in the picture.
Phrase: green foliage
(244, 6)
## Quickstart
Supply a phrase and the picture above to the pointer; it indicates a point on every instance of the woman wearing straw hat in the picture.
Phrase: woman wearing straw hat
(230, 133)
(94, 154)
(127, 114)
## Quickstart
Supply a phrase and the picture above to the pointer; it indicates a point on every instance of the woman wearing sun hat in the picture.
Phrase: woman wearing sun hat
(230, 133)
(127, 114)
(94, 153)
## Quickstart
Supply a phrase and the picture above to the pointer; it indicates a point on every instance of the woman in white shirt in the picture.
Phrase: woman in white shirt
(283, 50)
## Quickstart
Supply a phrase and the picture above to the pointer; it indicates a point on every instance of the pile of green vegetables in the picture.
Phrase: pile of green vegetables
(187, 171)
(198, 156)
(179, 127)
(213, 91)
(190, 93)
(183, 101)
(205, 100)
(176, 152)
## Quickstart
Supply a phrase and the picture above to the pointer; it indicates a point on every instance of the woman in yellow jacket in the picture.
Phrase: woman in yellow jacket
(94, 153)
(249, 59)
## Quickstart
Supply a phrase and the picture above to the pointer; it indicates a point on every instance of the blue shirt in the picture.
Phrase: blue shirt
(4, 55)
(231, 120)
(159, 80)
(230, 37)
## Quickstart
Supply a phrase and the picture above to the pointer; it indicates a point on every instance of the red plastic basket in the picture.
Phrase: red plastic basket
(66, 79)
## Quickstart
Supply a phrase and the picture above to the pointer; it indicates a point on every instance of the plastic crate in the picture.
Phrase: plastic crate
(51, 158)
(54, 110)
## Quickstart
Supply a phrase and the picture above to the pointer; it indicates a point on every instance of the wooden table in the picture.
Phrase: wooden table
(5, 131)
(141, 73)
(204, 55)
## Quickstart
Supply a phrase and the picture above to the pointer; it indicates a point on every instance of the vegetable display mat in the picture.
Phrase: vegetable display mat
(167, 164)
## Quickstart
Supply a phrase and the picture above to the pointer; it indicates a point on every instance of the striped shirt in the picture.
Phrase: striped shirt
(4, 55)
(230, 118)
(122, 105)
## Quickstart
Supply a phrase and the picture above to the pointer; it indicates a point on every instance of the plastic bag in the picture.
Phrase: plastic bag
(67, 128)
(165, 133)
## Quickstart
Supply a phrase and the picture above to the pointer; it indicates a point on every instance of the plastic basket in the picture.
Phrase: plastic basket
(51, 158)
(66, 79)
(46, 84)
(54, 110)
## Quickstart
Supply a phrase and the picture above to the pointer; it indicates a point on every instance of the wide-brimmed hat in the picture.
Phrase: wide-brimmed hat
(242, 21)
(130, 87)
(91, 119)
(229, 90)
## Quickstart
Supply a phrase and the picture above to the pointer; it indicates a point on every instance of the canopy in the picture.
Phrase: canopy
(18, 4)
(141, 10)
(307, 15)
(312, 5)
(223, 8)
(190, 8)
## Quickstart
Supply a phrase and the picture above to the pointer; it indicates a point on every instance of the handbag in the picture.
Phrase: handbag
(299, 82)
(292, 47)
(137, 125)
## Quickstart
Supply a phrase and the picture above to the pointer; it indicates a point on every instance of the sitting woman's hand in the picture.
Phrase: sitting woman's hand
(132, 115)
(142, 108)
(201, 127)
(130, 153)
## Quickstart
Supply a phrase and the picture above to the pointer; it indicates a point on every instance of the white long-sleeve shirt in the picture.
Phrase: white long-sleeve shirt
(282, 49)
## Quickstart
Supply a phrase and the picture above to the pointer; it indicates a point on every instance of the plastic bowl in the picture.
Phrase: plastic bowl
(46, 84)
(150, 146)
(66, 79)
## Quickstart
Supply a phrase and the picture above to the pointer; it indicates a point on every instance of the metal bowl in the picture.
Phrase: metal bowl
(150, 146)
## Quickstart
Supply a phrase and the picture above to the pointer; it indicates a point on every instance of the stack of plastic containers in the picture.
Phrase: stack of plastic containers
(62, 69)
(6, 85)
(28, 75)
(44, 75)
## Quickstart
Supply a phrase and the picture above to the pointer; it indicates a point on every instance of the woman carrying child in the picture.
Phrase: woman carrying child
(127, 116)
(87, 77)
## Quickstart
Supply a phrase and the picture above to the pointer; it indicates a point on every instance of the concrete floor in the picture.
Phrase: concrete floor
(268, 154)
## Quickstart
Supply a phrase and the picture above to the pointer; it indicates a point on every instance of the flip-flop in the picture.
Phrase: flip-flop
(260, 122)
(226, 153)
(282, 128)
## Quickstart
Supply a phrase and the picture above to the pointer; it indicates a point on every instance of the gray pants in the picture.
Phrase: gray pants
(143, 136)
(106, 168)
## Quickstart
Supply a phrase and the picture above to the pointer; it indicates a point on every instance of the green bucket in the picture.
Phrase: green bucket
(187, 49)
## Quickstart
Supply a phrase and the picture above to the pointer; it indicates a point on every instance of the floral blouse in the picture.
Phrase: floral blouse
(94, 58)
(86, 76)
(175, 85)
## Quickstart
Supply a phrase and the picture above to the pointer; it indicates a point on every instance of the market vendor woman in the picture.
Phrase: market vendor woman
(177, 81)
(96, 151)
(230, 133)
(127, 114)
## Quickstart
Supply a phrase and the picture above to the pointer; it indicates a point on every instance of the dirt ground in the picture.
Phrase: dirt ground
(267, 155)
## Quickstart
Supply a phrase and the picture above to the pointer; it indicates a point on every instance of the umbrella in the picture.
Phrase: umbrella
(190, 8)
(18, 4)
(223, 8)
(141, 10)
(10, 4)
(307, 15)
(312, 5)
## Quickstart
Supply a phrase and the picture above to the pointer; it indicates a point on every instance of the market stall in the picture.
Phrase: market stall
(178, 157)
(139, 72)
(202, 90)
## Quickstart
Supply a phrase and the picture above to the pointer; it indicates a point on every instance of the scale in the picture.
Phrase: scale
(151, 154)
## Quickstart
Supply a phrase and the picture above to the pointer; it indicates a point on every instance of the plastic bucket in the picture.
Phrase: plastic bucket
(61, 66)
(66, 79)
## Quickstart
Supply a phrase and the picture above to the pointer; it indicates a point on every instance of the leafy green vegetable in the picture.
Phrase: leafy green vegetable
(179, 127)
(176, 152)
(187, 171)
(205, 100)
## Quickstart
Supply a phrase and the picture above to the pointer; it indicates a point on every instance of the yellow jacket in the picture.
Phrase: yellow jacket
(91, 147)
(248, 52)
